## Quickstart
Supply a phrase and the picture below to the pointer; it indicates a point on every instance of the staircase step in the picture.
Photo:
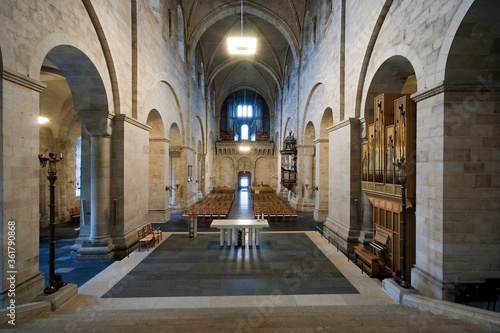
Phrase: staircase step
(386, 318)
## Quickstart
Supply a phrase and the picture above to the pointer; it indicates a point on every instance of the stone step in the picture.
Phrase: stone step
(387, 318)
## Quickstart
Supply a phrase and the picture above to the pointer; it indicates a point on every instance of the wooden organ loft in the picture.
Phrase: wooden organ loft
(392, 135)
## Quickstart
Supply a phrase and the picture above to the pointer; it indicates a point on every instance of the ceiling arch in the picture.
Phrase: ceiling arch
(233, 9)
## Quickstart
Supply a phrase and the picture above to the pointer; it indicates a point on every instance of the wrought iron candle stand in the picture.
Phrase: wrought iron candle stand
(55, 281)
(401, 278)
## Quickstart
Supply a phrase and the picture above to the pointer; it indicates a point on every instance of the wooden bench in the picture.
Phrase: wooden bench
(74, 214)
(368, 261)
(148, 236)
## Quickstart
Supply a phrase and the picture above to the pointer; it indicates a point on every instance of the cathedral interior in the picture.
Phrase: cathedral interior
(360, 129)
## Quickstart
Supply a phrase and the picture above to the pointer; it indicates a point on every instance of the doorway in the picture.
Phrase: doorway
(244, 180)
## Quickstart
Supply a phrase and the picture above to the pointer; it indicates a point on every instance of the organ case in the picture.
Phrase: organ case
(390, 137)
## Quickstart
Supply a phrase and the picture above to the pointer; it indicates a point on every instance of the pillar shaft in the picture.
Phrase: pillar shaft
(100, 187)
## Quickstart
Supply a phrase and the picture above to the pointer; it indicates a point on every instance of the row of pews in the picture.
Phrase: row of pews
(213, 206)
(270, 206)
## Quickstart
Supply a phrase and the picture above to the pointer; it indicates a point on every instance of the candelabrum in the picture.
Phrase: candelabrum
(171, 188)
(401, 279)
(55, 280)
(311, 188)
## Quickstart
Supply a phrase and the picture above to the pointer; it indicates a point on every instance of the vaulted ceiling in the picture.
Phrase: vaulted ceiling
(277, 24)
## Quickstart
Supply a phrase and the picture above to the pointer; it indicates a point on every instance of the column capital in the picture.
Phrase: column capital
(321, 141)
(97, 123)
(175, 151)
(308, 150)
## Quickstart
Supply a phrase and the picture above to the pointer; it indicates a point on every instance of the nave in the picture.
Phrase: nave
(192, 284)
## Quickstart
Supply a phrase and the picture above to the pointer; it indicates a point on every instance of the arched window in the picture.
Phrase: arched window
(244, 132)
(244, 111)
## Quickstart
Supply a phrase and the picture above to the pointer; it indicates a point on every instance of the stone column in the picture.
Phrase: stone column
(186, 194)
(342, 223)
(175, 161)
(322, 180)
(98, 244)
(303, 195)
(100, 187)
(199, 174)
(158, 210)
(308, 179)
(19, 184)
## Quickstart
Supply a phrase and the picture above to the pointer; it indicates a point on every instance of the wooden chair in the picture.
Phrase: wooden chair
(145, 239)
(156, 232)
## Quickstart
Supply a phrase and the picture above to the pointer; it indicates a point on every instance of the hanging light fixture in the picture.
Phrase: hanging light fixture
(242, 45)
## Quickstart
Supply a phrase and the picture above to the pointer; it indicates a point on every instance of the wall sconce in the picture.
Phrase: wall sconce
(190, 173)
(312, 187)
(171, 188)
(289, 162)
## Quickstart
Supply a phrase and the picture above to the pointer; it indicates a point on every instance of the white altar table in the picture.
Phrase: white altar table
(231, 226)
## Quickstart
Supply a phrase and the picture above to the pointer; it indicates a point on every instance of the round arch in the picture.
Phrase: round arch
(156, 122)
(390, 77)
(179, 109)
(226, 172)
(86, 85)
(326, 121)
(309, 134)
(401, 57)
(174, 134)
(158, 170)
(228, 10)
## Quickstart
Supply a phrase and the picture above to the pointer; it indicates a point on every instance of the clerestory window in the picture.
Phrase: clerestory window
(244, 111)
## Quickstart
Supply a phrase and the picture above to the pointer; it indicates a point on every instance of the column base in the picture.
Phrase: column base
(431, 286)
(94, 250)
(25, 292)
(175, 207)
(159, 215)
(60, 297)
(396, 291)
(320, 215)
(305, 205)
(341, 235)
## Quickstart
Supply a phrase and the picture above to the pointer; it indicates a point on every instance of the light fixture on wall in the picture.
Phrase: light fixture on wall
(242, 45)
(315, 188)
(244, 148)
(289, 162)
(171, 188)
(190, 173)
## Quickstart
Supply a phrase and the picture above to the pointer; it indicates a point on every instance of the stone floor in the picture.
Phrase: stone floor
(284, 263)
(296, 300)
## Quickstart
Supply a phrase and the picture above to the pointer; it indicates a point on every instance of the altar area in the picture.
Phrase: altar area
(234, 226)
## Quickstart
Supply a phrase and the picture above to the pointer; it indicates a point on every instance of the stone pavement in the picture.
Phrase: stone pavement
(370, 309)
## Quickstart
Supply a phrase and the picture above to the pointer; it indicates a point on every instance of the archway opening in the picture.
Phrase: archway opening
(389, 137)
(322, 148)
(244, 180)
(175, 151)
(158, 173)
